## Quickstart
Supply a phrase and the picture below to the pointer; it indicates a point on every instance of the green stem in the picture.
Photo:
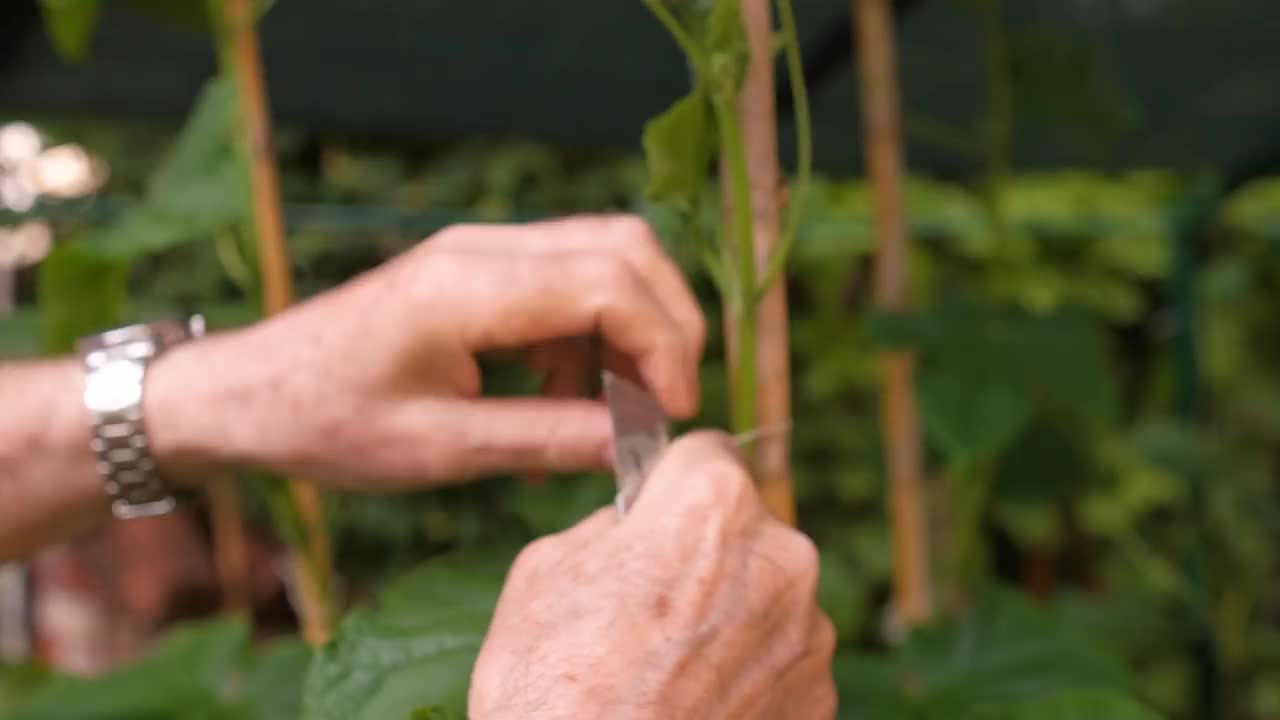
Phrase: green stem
(682, 38)
(739, 245)
(804, 146)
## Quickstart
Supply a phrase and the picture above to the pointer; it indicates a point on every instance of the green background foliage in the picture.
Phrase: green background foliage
(1088, 531)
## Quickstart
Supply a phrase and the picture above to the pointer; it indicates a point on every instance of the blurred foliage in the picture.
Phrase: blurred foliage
(1009, 659)
(1059, 467)
(414, 648)
(197, 672)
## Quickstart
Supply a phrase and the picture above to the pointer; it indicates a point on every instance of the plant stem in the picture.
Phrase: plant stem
(882, 126)
(738, 244)
(230, 545)
(241, 55)
(678, 33)
(764, 350)
(804, 145)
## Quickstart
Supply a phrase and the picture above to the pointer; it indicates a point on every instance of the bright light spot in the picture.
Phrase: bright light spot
(65, 171)
(19, 142)
(16, 193)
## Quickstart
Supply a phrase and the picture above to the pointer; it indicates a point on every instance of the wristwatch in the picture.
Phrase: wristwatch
(115, 364)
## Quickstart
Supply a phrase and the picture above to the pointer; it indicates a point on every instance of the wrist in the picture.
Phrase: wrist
(193, 407)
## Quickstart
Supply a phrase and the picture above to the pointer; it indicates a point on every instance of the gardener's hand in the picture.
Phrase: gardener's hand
(375, 384)
(696, 605)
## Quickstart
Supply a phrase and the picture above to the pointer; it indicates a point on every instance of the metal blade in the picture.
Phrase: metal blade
(639, 435)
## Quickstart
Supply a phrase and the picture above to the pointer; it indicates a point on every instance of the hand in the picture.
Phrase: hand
(696, 605)
(375, 383)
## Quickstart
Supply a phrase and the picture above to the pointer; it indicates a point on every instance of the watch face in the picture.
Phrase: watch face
(114, 387)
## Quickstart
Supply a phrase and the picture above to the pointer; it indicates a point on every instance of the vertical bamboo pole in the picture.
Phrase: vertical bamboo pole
(882, 128)
(757, 117)
(230, 544)
(312, 570)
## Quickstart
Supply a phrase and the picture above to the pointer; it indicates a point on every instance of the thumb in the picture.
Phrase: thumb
(497, 435)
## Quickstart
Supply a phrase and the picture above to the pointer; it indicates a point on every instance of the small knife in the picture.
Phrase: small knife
(640, 435)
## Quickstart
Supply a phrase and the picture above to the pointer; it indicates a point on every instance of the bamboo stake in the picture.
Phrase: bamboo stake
(230, 544)
(314, 576)
(757, 118)
(882, 128)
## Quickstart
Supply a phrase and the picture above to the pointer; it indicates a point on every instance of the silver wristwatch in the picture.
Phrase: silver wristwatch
(115, 364)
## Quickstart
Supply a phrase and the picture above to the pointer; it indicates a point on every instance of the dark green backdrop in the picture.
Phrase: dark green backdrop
(1190, 83)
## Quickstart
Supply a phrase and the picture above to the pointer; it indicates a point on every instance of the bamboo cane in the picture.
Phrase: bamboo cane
(882, 129)
(312, 574)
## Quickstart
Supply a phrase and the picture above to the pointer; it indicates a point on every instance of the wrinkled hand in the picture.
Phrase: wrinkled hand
(375, 384)
(696, 605)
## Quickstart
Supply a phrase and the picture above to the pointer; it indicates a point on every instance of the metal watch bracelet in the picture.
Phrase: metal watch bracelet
(115, 364)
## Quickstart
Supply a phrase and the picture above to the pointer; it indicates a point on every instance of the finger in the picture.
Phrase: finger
(807, 687)
(627, 236)
(701, 479)
(783, 572)
(505, 302)
(499, 435)
(563, 364)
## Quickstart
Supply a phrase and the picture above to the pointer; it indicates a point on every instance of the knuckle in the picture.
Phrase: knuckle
(702, 448)
(634, 239)
(531, 558)
(633, 229)
(804, 559)
(706, 481)
(824, 645)
(612, 275)
(728, 484)
(699, 327)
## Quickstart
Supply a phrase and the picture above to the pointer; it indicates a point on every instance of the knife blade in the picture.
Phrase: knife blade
(640, 434)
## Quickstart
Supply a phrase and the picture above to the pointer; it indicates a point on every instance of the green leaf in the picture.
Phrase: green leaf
(78, 293)
(987, 370)
(1002, 657)
(1072, 705)
(678, 146)
(273, 683)
(999, 661)
(196, 191)
(20, 334)
(1044, 467)
(435, 712)
(1006, 651)
(416, 649)
(18, 683)
(187, 676)
(70, 24)
(870, 688)
(561, 501)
